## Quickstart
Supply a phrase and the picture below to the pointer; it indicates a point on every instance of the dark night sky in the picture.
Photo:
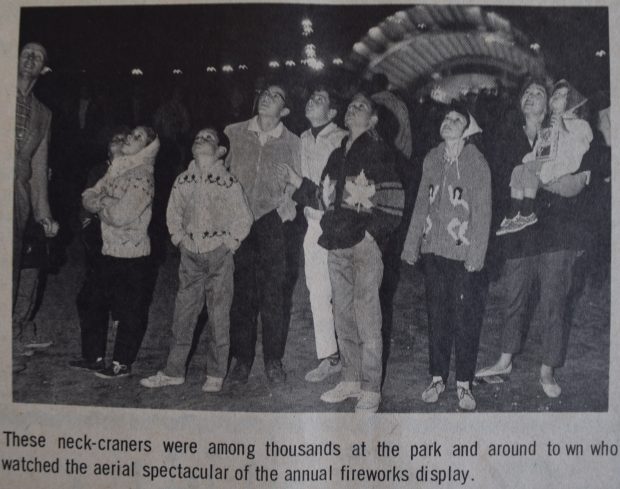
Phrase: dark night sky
(115, 39)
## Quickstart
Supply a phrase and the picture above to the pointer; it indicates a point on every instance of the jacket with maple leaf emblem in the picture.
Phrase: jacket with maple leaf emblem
(359, 192)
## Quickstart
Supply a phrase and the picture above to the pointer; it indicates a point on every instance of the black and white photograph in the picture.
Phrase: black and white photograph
(312, 208)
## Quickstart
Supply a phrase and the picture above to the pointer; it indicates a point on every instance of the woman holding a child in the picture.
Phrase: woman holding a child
(541, 234)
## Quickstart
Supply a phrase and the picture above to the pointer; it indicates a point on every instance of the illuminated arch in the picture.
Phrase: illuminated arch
(428, 42)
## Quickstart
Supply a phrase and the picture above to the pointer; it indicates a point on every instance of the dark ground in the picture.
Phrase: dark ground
(48, 380)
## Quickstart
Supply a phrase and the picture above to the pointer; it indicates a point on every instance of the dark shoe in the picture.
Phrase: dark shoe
(114, 371)
(274, 371)
(239, 374)
(90, 365)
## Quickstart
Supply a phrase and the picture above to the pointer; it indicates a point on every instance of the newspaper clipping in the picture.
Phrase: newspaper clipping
(308, 245)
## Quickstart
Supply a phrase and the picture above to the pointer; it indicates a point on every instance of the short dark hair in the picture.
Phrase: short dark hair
(534, 80)
(461, 108)
(335, 100)
(374, 107)
(222, 138)
(281, 84)
(151, 135)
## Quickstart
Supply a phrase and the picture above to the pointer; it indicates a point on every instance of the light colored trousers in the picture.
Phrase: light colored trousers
(356, 275)
(203, 277)
(319, 286)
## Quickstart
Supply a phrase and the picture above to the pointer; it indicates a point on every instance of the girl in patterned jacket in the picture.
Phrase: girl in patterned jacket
(123, 200)
(450, 228)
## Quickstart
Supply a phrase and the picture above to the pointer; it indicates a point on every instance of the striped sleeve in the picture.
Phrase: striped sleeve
(388, 199)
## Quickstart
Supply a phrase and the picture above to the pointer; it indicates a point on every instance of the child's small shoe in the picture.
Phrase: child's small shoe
(525, 221)
(506, 224)
(516, 224)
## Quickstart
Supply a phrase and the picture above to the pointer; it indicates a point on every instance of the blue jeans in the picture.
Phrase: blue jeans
(355, 274)
(202, 277)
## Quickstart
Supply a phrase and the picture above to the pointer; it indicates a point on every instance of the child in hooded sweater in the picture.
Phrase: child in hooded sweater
(122, 198)
(558, 151)
(208, 216)
(450, 230)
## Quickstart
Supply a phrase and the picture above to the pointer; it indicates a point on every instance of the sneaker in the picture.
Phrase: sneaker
(239, 374)
(92, 365)
(432, 392)
(517, 224)
(114, 371)
(506, 223)
(467, 401)
(213, 384)
(160, 379)
(552, 390)
(342, 391)
(326, 368)
(368, 402)
(37, 342)
(18, 366)
(19, 350)
(274, 371)
(525, 221)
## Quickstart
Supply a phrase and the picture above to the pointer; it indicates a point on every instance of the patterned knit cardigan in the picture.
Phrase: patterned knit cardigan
(129, 186)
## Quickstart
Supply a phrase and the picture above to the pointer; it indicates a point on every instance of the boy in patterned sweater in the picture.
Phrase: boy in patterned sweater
(208, 216)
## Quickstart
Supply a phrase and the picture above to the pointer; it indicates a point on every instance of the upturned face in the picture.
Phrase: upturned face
(272, 102)
(453, 126)
(205, 143)
(135, 141)
(318, 109)
(115, 146)
(557, 102)
(359, 114)
(31, 60)
(534, 100)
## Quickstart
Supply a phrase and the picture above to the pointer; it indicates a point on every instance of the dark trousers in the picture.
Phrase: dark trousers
(259, 287)
(123, 286)
(455, 301)
(553, 272)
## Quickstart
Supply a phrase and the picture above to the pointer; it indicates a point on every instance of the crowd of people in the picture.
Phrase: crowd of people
(483, 187)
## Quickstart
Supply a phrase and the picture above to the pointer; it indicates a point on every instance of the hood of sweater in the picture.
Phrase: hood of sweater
(146, 156)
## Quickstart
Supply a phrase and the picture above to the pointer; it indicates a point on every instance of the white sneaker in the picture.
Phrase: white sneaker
(467, 401)
(213, 384)
(324, 370)
(368, 402)
(160, 379)
(342, 391)
(432, 392)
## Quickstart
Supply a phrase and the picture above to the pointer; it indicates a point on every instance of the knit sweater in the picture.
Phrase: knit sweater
(253, 164)
(359, 192)
(123, 199)
(208, 209)
(452, 213)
